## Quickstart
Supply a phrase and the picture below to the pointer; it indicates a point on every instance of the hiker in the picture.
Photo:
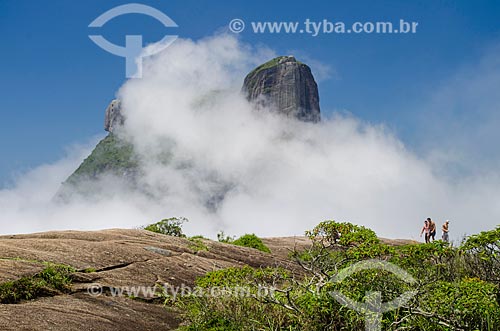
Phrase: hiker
(425, 230)
(445, 229)
(432, 229)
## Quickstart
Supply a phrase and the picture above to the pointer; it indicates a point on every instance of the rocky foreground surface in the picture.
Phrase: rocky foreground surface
(116, 259)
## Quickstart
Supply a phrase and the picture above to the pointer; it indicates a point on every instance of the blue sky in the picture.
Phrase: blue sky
(56, 83)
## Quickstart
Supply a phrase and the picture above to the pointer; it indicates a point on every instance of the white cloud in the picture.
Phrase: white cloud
(276, 176)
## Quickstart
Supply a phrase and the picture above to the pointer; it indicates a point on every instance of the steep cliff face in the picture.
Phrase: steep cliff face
(113, 117)
(112, 156)
(285, 85)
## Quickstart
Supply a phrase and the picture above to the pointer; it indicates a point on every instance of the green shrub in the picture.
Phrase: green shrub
(331, 233)
(54, 278)
(170, 226)
(482, 254)
(197, 243)
(239, 308)
(470, 302)
(251, 241)
(457, 288)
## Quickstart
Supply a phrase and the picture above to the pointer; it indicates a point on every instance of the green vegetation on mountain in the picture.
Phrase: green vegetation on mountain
(269, 64)
(250, 78)
(111, 155)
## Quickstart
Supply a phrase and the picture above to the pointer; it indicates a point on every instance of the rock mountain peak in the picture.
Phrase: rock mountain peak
(282, 84)
(285, 85)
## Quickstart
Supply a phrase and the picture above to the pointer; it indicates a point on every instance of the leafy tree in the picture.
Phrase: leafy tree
(331, 233)
(170, 226)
